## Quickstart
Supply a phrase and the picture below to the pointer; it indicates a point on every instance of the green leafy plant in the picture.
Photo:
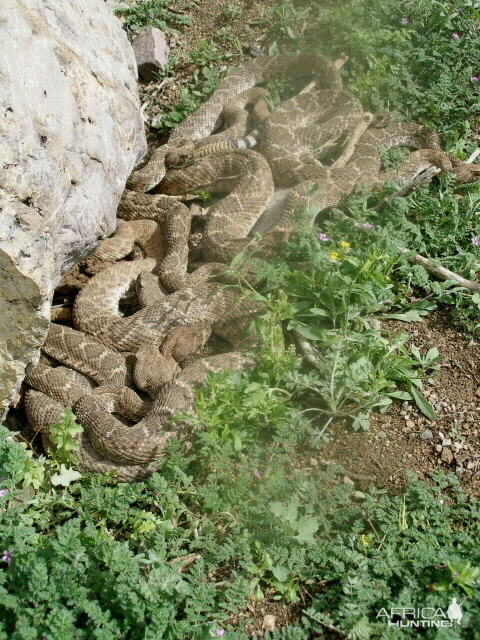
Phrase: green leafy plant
(232, 10)
(63, 436)
(151, 13)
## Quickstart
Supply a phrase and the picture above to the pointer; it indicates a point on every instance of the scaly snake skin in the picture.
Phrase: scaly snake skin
(107, 354)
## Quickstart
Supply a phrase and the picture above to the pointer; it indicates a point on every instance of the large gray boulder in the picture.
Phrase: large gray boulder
(70, 134)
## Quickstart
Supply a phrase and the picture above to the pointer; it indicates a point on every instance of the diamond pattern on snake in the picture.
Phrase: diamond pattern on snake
(125, 375)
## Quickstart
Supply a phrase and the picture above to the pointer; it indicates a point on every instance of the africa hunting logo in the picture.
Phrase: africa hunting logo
(414, 617)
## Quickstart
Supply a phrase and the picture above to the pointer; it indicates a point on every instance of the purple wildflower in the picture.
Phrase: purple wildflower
(476, 241)
(7, 557)
(323, 237)
(3, 492)
(455, 36)
(404, 21)
(368, 226)
(474, 79)
(218, 633)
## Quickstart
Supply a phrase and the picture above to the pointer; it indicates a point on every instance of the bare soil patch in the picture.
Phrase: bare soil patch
(399, 440)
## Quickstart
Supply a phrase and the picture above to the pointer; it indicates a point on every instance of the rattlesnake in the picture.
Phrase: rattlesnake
(295, 141)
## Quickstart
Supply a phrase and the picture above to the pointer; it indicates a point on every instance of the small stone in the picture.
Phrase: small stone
(440, 435)
(438, 448)
(459, 470)
(446, 442)
(426, 435)
(410, 424)
(447, 456)
(381, 434)
(268, 623)
(151, 52)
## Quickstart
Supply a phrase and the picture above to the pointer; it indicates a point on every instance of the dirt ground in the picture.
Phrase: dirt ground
(403, 439)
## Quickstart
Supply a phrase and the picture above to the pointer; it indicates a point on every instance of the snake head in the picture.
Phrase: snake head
(178, 159)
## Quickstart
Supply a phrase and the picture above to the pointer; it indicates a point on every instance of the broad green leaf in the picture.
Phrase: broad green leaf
(423, 404)
(311, 333)
(409, 316)
(361, 422)
(306, 527)
(432, 354)
(400, 395)
(65, 477)
(286, 512)
(280, 573)
(315, 311)
(237, 443)
(414, 349)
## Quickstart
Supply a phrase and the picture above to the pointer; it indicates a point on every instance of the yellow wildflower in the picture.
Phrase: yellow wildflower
(345, 245)
(365, 539)
(333, 255)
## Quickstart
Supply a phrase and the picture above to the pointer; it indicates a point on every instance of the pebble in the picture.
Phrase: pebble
(151, 52)
(446, 442)
(447, 456)
(381, 434)
(410, 424)
(438, 447)
(426, 435)
(268, 623)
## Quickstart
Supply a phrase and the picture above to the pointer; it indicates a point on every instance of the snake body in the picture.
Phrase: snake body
(109, 358)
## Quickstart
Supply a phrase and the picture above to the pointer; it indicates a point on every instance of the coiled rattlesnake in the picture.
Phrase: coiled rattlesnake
(181, 309)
